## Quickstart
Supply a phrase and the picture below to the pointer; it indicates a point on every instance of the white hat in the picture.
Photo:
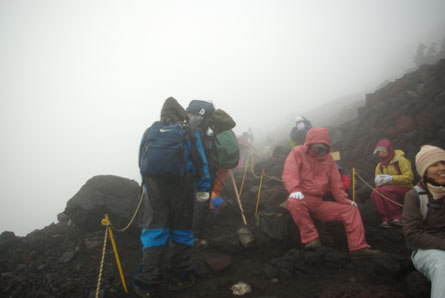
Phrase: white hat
(299, 118)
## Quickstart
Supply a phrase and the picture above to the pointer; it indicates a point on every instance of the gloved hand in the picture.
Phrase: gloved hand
(386, 179)
(297, 195)
(353, 204)
(300, 126)
(382, 179)
(202, 196)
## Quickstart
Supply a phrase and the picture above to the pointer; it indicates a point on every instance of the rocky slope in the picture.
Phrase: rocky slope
(63, 259)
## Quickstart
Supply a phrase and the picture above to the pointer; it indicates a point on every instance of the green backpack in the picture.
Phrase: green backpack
(227, 149)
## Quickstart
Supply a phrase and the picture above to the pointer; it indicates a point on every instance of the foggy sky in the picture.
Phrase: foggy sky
(81, 80)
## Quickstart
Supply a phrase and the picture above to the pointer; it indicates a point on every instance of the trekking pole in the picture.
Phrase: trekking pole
(259, 193)
(353, 184)
(238, 198)
(244, 177)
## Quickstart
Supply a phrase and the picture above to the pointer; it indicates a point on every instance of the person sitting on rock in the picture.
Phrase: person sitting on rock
(393, 178)
(309, 173)
(424, 218)
(299, 131)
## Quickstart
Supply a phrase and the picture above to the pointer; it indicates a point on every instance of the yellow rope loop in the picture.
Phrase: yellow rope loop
(102, 260)
(383, 196)
(134, 215)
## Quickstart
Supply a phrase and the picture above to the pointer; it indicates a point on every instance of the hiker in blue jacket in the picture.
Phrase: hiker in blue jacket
(168, 212)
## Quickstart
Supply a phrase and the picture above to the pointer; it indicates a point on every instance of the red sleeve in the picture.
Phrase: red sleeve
(291, 171)
(346, 182)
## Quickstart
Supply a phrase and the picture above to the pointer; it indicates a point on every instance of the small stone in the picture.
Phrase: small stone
(275, 280)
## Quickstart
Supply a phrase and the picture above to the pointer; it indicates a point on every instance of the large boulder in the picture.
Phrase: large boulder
(106, 194)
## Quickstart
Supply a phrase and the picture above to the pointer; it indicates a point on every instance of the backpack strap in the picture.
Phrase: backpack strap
(396, 166)
(423, 198)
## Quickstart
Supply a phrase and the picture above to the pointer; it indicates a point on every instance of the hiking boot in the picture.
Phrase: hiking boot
(182, 281)
(364, 252)
(313, 244)
(144, 290)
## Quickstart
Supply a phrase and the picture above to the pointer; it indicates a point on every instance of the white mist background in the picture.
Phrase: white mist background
(81, 80)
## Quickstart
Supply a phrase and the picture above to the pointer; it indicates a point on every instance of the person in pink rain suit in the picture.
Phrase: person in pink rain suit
(309, 173)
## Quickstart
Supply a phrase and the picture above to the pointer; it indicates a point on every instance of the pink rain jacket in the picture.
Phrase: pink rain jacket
(313, 176)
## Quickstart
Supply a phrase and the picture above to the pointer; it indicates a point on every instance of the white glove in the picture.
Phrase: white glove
(386, 179)
(382, 179)
(353, 204)
(378, 180)
(297, 195)
(202, 196)
(300, 126)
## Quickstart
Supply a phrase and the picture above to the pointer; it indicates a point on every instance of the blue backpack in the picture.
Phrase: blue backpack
(162, 152)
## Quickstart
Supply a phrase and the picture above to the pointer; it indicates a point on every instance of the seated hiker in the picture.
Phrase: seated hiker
(393, 178)
(171, 181)
(309, 173)
(299, 131)
(424, 218)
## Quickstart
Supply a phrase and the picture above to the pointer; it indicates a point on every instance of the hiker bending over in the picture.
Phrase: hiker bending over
(424, 218)
(309, 173)
(393, 178)
(226, 155)
(170, 189)
(299, 131)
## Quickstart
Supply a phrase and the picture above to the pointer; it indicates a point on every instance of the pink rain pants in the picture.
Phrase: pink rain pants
(303, 211)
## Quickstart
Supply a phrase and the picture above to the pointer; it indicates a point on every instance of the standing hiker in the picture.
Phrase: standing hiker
(227, 156)
(174, 170)
(424, 218)
(299, 131)
(393, 178)
(309, 173)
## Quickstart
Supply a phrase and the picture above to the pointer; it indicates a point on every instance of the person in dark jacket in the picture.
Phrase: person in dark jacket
(168, 214)
(299, 131)
(424, 218)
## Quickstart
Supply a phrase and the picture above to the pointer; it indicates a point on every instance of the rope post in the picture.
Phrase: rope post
(106, 222)
(353, 184)
(244, 177)
(259, 193)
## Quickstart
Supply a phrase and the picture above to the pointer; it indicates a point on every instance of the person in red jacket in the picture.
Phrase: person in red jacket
(344, 179)
(309, 173)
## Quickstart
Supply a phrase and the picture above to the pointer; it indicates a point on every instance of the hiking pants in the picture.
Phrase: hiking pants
(431, 263)
(303, 211)
(388, 210)
(167, 220)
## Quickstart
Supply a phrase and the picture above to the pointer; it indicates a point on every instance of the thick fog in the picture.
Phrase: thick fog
(81, 80)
